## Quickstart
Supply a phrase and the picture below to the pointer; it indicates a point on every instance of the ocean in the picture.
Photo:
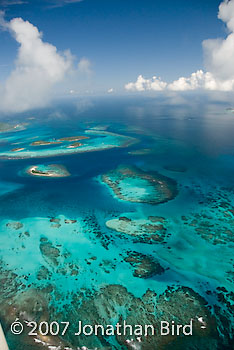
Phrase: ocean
(139, 229)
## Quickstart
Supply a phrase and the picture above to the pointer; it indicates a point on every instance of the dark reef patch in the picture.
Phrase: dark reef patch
(214, 223)
(144, 265)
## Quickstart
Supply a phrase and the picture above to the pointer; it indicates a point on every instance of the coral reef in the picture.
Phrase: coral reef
(144, 265)
(215, 221)
(134, 185)
(114, 304)
(150, 230)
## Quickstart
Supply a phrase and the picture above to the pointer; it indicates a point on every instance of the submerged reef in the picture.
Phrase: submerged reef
(134, 185)
(150, 230)
(215, 221)
(110, 305)
(52, 170)
(114, 304)
(58, 292)
(144, 265)
(141, 152)
(176, 168)
(16, 225)
(55, 258)
(27, 306)
(50, 253)
(73, 138)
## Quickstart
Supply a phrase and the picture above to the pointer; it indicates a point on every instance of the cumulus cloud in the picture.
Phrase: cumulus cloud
(201, 80)
(84, 66)
(38, 68)
(219, 53)
(219, 63)
(143, 84)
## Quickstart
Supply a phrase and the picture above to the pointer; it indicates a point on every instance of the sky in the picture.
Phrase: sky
(112, 46)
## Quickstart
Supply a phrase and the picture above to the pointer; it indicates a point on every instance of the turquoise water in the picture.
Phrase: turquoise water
(54, 239)
(25, 148)
(135, 186)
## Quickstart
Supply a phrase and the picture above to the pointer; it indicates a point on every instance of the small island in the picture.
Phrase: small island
(52, 170)
(17, 149)
(44, 143)
(75, 145)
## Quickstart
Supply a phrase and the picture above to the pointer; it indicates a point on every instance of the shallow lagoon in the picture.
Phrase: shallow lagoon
(56, 245)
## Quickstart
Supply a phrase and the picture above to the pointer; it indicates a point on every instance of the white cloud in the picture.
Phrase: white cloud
(226, 13)
(84, 66)
(219, 62)
(110, 91)
(201, 80)
(38, 68)
(219, 53)
(143, 84)
(61, 3)
(54, 3)
(197, 80)
(69, 1)
(6, 3)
